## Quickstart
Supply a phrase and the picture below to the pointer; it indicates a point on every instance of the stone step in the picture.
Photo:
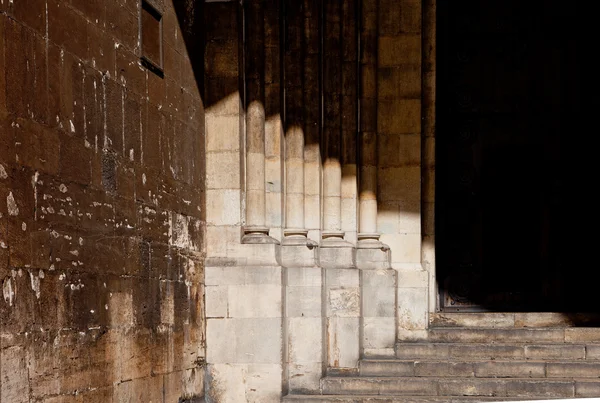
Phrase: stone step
(513, 335)
(492, 387)
(399, 399)
(513, 319)
(484, 351)
(478, 369)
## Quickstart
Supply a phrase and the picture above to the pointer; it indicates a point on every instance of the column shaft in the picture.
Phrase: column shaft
(255, 119)
(294, 118)
(312, 119)
(368, 121)
(332, 86)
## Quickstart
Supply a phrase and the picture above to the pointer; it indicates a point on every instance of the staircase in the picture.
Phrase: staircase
(470, 364)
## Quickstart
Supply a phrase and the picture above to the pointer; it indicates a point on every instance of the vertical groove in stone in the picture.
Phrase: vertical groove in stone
(312, 117)
(273, 124)
(368, 118)
(349, 119)
(255, 114)
(332, 74)
(294, 114)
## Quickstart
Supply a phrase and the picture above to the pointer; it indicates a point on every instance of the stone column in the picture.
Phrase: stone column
(341, 287)
(371, 253)
(255, 230)
(294, 233)
(335, 251)
(350, 84)
(312, 119)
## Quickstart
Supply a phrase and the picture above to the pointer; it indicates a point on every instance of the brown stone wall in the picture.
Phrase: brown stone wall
(101, 204)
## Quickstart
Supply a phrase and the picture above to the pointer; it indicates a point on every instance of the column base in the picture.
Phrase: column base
(335, 252)
(371, 253)
(297, 250)
(257, 235)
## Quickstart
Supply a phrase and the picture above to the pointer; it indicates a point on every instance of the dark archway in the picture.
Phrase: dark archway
(507, 96)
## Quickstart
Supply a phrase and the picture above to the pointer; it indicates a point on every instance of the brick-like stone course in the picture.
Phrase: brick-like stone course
(101, 207)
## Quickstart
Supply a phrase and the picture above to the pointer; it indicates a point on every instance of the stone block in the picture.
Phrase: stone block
(372, 259)
(516, 369)
(592, 352)
(242, 275)
(263, 383)
(587, 389)
(378, 279)
(411, 278)
(303, 301)
(540, 388)
(254, 301)
(462, 335)
(399, 50)
(299, 256)
(223, 170)
(342, 278)
(343, 302)
(343, 343)
(387, 368)
(399, 82)
(223, 207)
(589, 335)
(304, 276)
(388, 217)
(220, 341)
(471, 387)
(406, 248)
(377, 386)
(401, 185)
(379, 333)
(267, 254)
(399, 116)
(422, 350)
(486, 351)
(13, 368)
(305, 340)
(223, 132)
(225, 383)
(555, 352)
(444, 369)
(573, 370)
(379, 302)
(412, 308)
(216, 301)
(257, 341)
(305, 377)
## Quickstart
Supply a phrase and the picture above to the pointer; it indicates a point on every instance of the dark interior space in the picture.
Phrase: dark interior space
(508, 97)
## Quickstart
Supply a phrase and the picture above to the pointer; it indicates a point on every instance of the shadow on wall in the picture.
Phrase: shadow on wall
(501, 231)
(508, 97)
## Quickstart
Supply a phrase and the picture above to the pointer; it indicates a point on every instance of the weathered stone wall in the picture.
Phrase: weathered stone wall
(101, 205)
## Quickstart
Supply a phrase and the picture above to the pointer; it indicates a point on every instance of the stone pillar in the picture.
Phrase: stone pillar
(399, 140)
(371, 253)
(294, 233)
(349, 124)
(428, 136)
(312, 119)
(297, 250)
(303, 302)
(274, 121)
(341, 287)
(255, 230)
(335, 251)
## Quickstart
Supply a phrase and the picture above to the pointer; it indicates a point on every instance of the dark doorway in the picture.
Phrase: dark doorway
(507, 94)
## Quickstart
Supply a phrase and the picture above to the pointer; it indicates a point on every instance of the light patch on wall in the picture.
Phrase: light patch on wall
(13, 209)
(3, 174)
(7, 291)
